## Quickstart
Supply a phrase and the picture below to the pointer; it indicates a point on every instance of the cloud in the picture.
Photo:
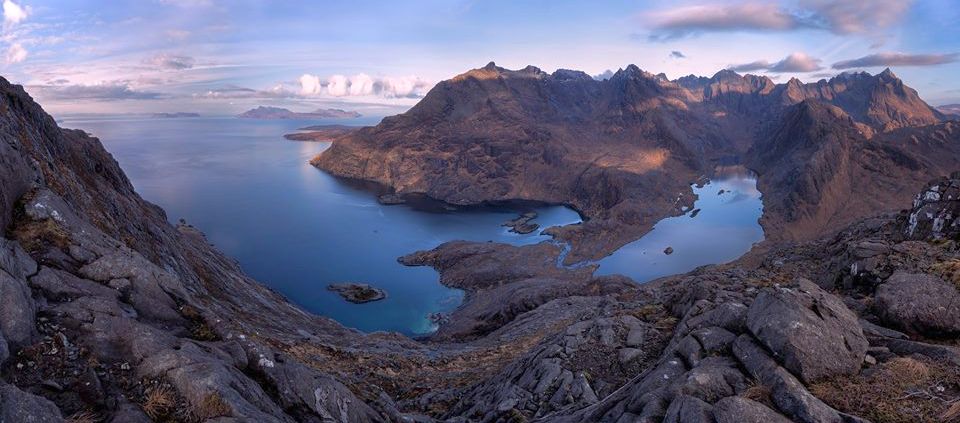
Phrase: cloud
(235, 92)
(16, 53)
(848, 17)
(795, 62)
(105, 91)
(750, 67)
(836, 16)
(14, 13)
(686, 20)
(170, 61)
(603, 76)
(677, 55)
(363, 85)
(897, 59)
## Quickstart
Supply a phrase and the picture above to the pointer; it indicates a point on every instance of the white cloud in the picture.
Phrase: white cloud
(310, 85)
(361, 84)
(16, 53)
(338, 85)
(14, 13)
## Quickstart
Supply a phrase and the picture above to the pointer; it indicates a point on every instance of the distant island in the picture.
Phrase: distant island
(176, 115)
(950, 109)
(265, 112)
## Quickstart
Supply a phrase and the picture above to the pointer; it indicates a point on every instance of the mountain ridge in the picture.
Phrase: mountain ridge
(636, 140)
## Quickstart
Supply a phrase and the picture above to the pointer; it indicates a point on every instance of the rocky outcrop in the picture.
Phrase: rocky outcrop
(802, 325)
(936, 211)
(919, 303)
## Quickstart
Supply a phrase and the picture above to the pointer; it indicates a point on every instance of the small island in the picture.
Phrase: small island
(358, 293)
(668, 250)
(523, 225)
(266, 112)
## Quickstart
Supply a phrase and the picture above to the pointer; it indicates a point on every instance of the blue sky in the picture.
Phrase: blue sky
(380, 57)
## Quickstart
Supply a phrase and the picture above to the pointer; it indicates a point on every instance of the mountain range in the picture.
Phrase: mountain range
(622, 151)
(846, 313)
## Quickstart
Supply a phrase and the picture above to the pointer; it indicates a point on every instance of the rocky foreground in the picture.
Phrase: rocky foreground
(109, 313)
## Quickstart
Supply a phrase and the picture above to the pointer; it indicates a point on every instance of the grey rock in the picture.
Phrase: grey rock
(4, 349)
(789, 395)
(742, 410)
(301, 387)
(17, 406)
(942, 353)
(714, 378)
(15, 261)
(17, 311)
(919, 303)
(687, 409)
(809, 330)
(870, 329)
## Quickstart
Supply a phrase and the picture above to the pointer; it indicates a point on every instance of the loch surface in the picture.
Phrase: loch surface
(292, 226)
(722, 225)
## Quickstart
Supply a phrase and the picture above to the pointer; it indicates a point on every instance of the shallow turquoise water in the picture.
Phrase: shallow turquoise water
(294, 227)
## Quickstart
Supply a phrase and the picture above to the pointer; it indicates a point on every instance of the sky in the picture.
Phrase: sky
(381, 57)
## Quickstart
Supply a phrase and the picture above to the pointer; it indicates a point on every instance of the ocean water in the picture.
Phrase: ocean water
(292, 226)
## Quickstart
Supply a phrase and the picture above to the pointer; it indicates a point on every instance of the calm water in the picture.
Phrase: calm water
(725, 228)
(292, 226)
(298, 229)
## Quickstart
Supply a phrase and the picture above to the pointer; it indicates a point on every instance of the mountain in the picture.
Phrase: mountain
(266, 112)
(108, 312)
(623, 150)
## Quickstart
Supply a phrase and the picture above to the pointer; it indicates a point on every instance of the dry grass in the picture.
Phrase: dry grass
(159, 402)
(759, 393)
(902, 390)
(948, 270)
(83, 417)
(211, 406)
(35, 236)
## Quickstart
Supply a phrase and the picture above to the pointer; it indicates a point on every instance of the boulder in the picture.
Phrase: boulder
(22, 407)
(787, 393)
(919, 303)
(17, 311)
(742, 410)
(687, 409)
(809, 330)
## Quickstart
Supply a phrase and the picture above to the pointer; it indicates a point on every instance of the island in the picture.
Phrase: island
(523, 225)
(266, 112)
(358, 293)
(168, 115)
